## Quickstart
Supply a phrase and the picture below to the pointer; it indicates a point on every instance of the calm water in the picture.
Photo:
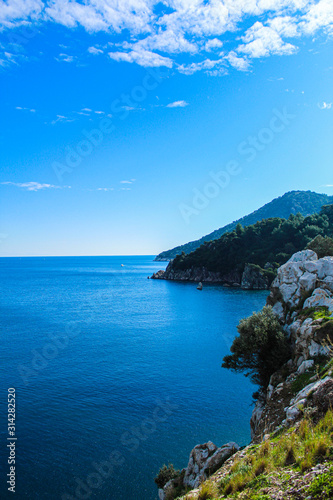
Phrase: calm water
(107, 364)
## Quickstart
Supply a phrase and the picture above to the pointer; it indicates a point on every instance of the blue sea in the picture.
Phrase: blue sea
(114, 374)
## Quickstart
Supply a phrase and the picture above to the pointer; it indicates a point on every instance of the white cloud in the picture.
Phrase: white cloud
(207, 65)
(192, 27)
(19, 108)
(262, 41)
(319, 16)
(142, 57)
(16, 12)
(61, 118)
(127, 182)
(105, 189)
(178, 104)
(34, 186)
(95, 51)
(325, 105)
(65, 58)
(240, 63)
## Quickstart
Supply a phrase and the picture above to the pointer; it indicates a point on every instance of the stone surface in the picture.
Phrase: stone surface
(204, 460)
(253, 278)
(305, 366)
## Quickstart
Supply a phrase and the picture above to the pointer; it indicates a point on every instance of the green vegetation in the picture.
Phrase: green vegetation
(322, 486)
(260, 349)
(271, 241)
(296, 450)
(208, 491)
(323, 246)
(303, 202)
(315, 313)
(166, 473)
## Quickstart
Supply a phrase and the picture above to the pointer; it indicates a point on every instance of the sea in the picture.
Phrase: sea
(114, 374)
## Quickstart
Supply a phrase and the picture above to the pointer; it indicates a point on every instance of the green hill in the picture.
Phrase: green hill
(272, 240)
(293, 202)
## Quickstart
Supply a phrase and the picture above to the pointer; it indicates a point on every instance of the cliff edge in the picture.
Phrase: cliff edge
(291, 452)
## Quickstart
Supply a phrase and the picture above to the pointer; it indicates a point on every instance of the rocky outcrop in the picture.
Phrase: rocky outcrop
(198, 274)
(205, 460)
(302, 286)
(255, 278)
(252, 278)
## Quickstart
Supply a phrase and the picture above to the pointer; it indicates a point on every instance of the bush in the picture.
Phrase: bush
(322, 246)
(260, 349)
(166, 473)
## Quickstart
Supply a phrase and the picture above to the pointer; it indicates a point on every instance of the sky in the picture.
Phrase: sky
(129, 127)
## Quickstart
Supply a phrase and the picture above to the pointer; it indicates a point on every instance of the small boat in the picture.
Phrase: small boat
(199, 287)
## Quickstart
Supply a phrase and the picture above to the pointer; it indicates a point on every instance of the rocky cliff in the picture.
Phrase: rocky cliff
(252, 278)
(297, 405)
(302, 298)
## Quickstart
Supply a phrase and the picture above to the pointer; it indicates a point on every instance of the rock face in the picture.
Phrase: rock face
(205, 459)
(197, 274)
(252, 278)
(302, 283)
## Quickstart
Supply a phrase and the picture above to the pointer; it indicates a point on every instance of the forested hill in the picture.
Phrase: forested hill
(293, 202)
(272, 241)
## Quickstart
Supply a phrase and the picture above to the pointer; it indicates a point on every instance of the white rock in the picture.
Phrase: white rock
(305, 366)
(320, 298)
(278, 310)
(292, 412)
(303, 256)
(309, 388)
(308, 281)
(326, 267)
(316, 349)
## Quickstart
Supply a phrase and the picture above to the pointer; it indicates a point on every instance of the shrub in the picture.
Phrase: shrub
(260, 349)
(323, 246)
(164, 475)
(207, 491)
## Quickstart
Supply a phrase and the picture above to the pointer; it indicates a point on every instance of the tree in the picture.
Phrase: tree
(164, 475)
(322, 246)
(260, 349)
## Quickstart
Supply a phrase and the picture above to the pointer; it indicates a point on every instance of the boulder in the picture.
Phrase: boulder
(204, 460)
(305, 366)
(320, 298)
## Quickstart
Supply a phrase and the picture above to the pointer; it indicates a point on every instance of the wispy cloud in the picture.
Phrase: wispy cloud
(95, 51)
(324, 105)
(178, 104)
(145, 58)
(105, 189)
(65, 58)
(19, 108)
(128, 182)
(61, 118)
(34, 186)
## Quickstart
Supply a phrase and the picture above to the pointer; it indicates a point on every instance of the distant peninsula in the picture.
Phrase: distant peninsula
(303, 202)
(248, 257)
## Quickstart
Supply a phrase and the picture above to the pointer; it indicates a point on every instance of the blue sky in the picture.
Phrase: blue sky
(131, 127)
